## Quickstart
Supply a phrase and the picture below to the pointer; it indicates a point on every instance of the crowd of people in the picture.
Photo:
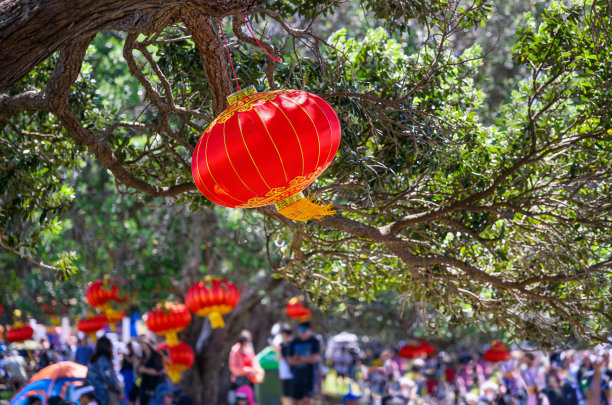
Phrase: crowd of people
(113, 373)
(375, 375)
(379, 376)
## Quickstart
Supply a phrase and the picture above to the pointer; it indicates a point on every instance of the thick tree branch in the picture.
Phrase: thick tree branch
(212, 53)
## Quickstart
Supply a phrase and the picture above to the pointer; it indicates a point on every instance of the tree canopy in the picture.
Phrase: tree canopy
(472, 180)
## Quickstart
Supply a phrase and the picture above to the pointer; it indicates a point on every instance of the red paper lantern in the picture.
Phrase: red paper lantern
(497, 353)
(100, 293)
(19, 333)
(92, 324)
(169, 320)
(212, 298)
(265, 148)
(296, 310)
(180, 358)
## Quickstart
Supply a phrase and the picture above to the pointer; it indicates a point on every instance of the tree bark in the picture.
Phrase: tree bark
(31, 31)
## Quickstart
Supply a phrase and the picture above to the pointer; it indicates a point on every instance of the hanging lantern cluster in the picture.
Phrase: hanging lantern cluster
(168, 320)
(19, 332)
(296, 310)
(266, 148)
(212, 298)
(415, 349)
(497, 353)
(92, 324)
(104, 296)
(180, 358)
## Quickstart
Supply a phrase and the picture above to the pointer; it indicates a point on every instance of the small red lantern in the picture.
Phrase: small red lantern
(497, 353)
(19, 332)
(265, 148)
(212, 298)
(169, 320)
(180, 358)
(296, 310)
(92, 324)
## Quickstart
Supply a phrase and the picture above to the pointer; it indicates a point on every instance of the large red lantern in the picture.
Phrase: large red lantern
(92, 324)
(168, 320)
(19, 332)
(212, 298)
(296, 310)
(497, 353)
(180, 358)
(265, 148)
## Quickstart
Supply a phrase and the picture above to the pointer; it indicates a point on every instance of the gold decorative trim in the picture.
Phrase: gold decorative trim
(276, 194)
(246, 104)
(288, 201)
(240, 94)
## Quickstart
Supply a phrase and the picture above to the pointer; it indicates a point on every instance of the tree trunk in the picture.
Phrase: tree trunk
(30, 31)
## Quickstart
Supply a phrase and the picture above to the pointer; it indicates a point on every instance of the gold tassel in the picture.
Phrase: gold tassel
(300, 208)
(172, 339)
(216, 320)
(175, 376)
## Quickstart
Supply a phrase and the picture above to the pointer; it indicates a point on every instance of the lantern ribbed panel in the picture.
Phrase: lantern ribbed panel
(92, 324)
(100, 293)
(19, 333)
(265, 148)
(171, 318)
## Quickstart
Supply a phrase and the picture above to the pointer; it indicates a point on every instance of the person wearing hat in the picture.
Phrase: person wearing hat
(164, 394)
(488, 393)
(303, 356)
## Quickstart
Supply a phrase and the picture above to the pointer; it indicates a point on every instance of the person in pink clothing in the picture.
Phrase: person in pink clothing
(244, 368)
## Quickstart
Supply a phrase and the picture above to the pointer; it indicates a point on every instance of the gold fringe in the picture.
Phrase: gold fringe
(300, 208)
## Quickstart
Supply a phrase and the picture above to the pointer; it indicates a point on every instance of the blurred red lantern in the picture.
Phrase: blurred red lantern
(180, 358)
(19, 332)
(212, 298)
(265, 148)
(415, 348)
(296, 310)
(497, 353)
(168, 320)
(92, 324)
(100, 292)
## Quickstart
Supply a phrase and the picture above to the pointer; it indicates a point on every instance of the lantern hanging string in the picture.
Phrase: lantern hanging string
(255, 38)
(228, 55)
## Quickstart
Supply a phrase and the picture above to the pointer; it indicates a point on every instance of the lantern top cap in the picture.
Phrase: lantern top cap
(240, 94)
